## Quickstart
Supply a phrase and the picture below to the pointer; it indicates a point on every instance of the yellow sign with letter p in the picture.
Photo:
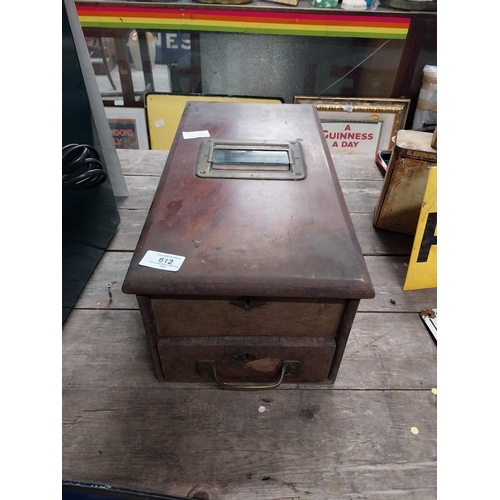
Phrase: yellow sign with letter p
(422, 269)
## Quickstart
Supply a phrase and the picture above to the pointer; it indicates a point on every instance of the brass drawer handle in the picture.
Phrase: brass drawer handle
(205, 366)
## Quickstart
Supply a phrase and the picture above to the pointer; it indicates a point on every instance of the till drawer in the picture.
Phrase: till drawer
(246, 316)
(246, 360)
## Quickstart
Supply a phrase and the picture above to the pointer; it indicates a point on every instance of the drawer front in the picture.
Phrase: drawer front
(231, 316)
(248, 360)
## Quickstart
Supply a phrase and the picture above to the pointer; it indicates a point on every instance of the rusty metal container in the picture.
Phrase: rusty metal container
(400, 200)
(262, 273)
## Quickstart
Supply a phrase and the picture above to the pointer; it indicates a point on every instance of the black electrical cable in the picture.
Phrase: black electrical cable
(82, 158)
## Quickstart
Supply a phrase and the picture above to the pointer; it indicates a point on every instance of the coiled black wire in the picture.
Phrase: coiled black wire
(76, 157)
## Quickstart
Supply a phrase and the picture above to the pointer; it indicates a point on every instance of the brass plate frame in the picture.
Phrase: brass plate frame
(296, 172)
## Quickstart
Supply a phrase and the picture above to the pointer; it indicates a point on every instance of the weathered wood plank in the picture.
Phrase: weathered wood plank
(356, 167)
(142, 162)
(141, 192)
(106, 349)
(111, 269)
(109, 349)
(388, 274)
(129, 230)
(377, 241)
(392, 351)
(361, 196)
(306, 444)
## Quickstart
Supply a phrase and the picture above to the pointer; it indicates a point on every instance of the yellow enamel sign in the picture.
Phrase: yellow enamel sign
(164, 112)
(422, 269)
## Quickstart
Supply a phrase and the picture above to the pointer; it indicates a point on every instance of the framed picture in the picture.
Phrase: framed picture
(359, 126)
(128, 127)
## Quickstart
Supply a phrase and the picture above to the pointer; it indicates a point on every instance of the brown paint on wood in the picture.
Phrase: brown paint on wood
(263, 365)
(342, 335)
(251, 236)
(378, 242)
(179, 356)
(215, 317)
(151, 333)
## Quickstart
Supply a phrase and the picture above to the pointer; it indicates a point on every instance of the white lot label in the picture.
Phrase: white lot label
(159, 260)
(195, 134)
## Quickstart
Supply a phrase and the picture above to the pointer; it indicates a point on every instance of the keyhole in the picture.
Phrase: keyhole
(247, 303)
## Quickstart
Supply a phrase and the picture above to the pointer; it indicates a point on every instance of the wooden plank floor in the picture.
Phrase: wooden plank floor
(352, 440)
